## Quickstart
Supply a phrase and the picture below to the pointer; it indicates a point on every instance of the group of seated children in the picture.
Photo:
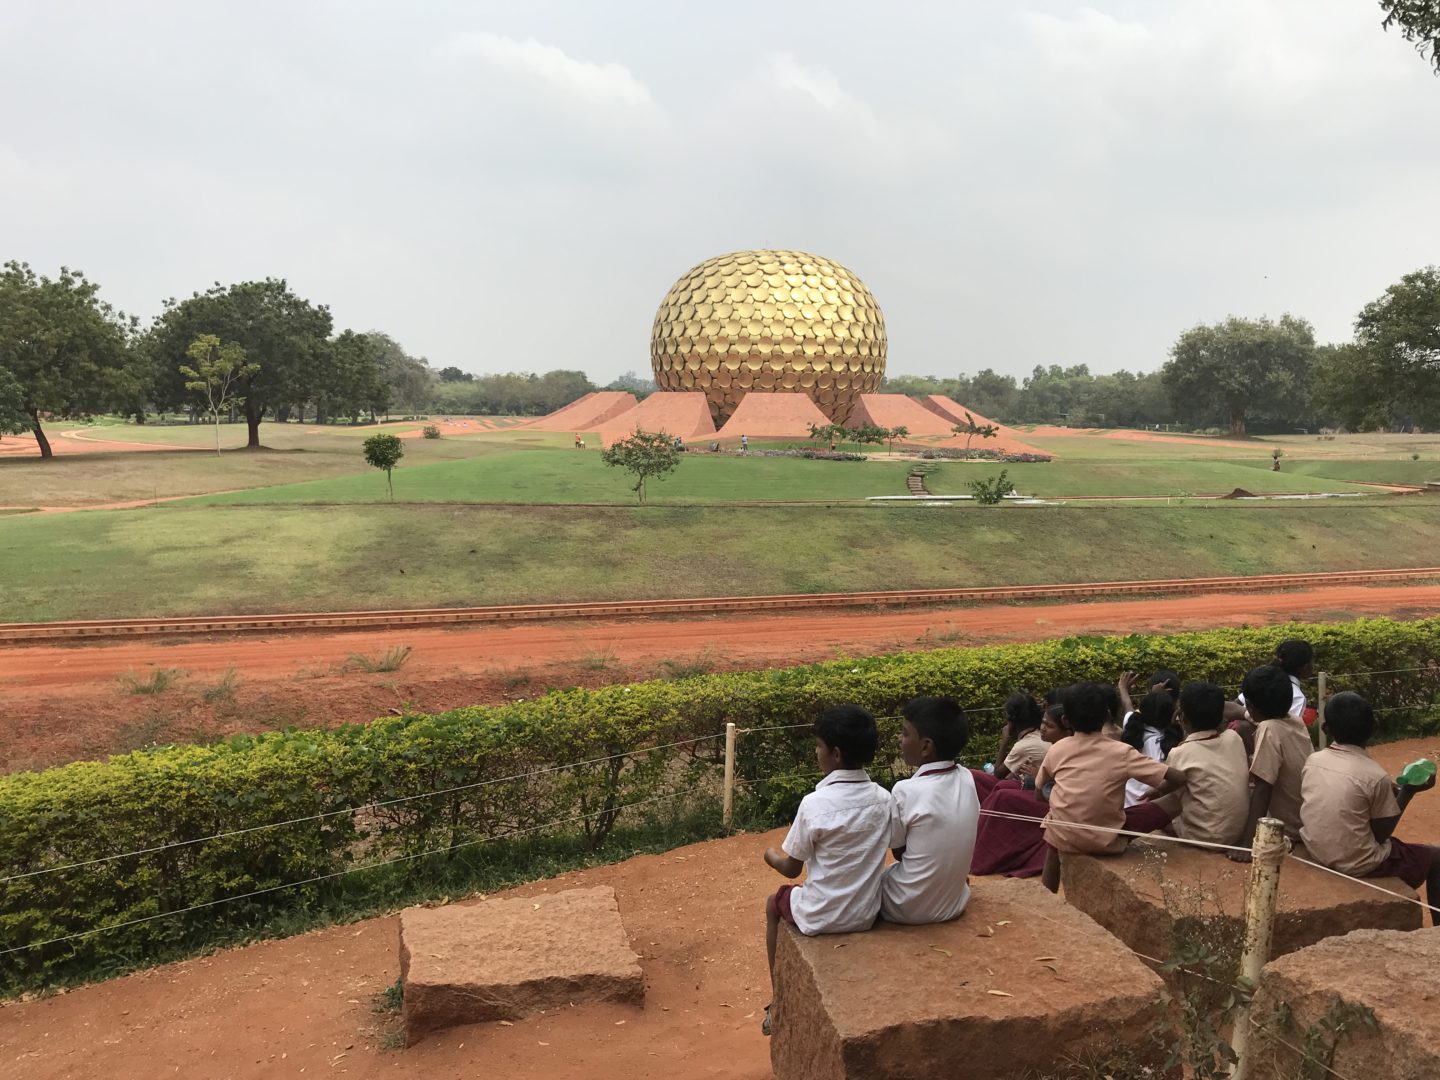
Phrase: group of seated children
(1084, 774)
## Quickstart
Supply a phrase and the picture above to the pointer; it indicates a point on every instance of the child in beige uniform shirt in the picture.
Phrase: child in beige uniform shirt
(1351, 807)
(1282, 745)
(1213, 802)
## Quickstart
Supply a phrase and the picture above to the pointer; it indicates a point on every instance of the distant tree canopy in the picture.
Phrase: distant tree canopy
(1418, 22)
(514, 394)
(1240, 367)
(1051, 395)
(63, 351)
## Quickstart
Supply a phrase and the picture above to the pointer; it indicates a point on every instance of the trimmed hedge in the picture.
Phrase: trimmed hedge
(500, 777)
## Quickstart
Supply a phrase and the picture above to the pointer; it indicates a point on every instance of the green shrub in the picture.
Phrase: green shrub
(502, 776)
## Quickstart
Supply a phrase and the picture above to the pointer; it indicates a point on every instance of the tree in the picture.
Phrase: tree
(1240, 366)
(285, 334)
(1349, 389)
(989, 491)
(1418, 22)
(12, 405)
(1400, 333)
(900, 432)
(217, 372)
(644, 454)
(67, 351)
(409, 378)
(454, 374)
(384, 452)
(970, 428)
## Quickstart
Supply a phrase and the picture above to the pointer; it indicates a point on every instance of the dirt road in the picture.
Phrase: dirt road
(68, 702)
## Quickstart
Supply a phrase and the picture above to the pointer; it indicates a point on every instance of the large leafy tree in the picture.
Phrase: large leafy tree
(282, 332)
(1400, 333)
(1349, 390)
(1239, 367)
(1419, 22)
(66, 350)
(644, 454)
(12, 405)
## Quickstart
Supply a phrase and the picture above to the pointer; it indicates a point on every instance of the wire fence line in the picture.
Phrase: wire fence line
(377, 805)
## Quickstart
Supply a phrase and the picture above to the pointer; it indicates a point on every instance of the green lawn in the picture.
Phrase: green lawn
(181, 559)
(1380, 470)
(523, 476)
(1065, 477)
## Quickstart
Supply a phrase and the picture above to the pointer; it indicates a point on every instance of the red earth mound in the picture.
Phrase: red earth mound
(781, 414)
(589, 413)
(680, 412)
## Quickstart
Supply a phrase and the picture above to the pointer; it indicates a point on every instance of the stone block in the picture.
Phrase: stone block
(1158, 894)
(504, 959)
(1020, 982)
(1303, 995)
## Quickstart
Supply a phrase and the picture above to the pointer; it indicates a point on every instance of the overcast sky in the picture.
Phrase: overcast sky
(515, 186)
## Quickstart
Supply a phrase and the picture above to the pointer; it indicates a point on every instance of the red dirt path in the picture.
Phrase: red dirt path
(64, 702)
(304, 1005)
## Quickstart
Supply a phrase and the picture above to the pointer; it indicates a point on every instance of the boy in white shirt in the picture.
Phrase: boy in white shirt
(938, 810)
(841, 831)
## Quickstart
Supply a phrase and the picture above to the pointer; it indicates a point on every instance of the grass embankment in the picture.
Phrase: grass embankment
(1173, 478)
(181, 560)
(522, 476)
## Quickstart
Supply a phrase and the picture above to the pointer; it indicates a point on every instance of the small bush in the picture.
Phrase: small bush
(992, 489)
(160, 680)
(224, 690)
(431, 431)
(392, 659)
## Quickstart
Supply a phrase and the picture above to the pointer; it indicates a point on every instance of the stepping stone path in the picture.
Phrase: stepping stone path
(506, 959)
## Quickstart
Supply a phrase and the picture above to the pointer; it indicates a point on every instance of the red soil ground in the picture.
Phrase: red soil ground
(305, 1005)
(682, 413)
(586, 413)
(65, 702)
(777, 415)
(1045, 431)
(75, 442)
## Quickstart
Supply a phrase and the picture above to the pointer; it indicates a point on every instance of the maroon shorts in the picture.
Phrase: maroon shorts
(780, 903)
(1146, 817)
(1410, 863)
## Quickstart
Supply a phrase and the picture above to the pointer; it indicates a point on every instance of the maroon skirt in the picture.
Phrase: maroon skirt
(1410, 863)
(1004, 845)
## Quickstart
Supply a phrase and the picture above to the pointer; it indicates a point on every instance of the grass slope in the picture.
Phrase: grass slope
(1064, 477)
(521, 476)
(196, 560)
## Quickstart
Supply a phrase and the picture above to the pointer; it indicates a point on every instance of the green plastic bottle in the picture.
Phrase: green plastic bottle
(1416, 773)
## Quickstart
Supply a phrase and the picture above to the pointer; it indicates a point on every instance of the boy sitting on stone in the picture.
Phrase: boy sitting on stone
(1282, 746)
(1213, 802)
(1350, 807)
(938, 810)
(1083, 779)
(841, 832)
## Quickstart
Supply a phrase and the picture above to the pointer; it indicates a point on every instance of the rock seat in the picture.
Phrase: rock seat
(1392, 973)
(1019, 983)
(505, 959)
(1159, 893)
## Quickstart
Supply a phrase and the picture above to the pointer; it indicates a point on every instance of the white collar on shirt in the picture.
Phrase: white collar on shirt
(845, 776)
(933, 767)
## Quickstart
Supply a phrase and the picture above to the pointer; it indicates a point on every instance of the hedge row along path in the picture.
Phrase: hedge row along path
(64, 702)
(12, 633)
(302, 1006)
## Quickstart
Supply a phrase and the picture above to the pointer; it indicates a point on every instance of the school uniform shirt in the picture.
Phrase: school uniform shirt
(841, 833)
(1029, 749)
(1344, 789)
(1282, 746)
(1090, 770)
(1215, 801)
(1151, 745)
(938, 810)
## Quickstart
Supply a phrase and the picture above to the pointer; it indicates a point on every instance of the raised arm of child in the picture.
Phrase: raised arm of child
(1125, 685)
(785, 864)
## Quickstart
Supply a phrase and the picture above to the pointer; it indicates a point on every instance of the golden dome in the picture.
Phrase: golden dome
(766, 321)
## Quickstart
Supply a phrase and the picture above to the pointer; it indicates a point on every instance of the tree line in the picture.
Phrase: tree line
(1242, 376)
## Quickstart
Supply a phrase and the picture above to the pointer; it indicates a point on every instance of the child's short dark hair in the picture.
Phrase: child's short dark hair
(1350, 719)
(1023, 713)
(851, 730)
(1203, 704)
(1088, 706)
(1268, 692)
(1294, 656)
(942, 721)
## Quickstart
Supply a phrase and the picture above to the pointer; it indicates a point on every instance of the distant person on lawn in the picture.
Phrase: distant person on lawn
(938, 811)
(840, 835)
(1350, 807)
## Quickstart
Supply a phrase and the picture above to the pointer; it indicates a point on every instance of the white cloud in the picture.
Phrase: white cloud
(818, 84)
(608, 84)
